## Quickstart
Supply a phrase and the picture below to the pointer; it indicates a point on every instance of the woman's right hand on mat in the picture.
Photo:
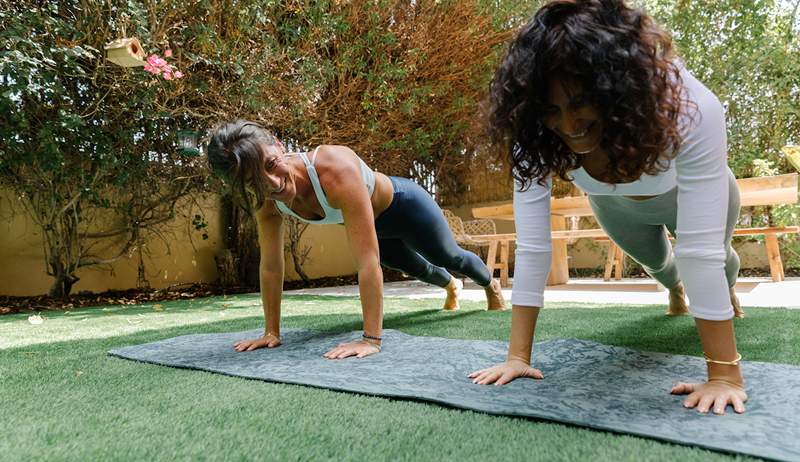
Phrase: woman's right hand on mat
(267, 341)
(504, 373)
(713, 395)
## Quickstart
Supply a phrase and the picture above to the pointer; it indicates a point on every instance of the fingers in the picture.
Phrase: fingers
(682, 389)
(477, 373)
(533, 373)
(505, 377)
(488, 377)
(270, 341)
(720, 404)
(691, 400)
(705, 403)
(737, 403)
(504, 373)
(341, 352)
(711, 397)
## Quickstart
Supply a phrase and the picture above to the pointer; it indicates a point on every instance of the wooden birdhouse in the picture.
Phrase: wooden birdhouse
(792, 154)
(126, 52)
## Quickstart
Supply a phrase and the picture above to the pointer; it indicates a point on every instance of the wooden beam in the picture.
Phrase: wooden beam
(493, 211)
(559, 268)
(766, 190)
(774, 256)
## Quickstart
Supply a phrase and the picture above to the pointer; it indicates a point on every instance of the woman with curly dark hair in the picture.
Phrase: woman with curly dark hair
(591, 91)
(390, 221)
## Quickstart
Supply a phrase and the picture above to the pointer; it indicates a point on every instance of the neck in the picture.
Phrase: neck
(302, 183)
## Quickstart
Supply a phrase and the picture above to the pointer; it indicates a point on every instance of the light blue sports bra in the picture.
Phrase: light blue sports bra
(332, 215)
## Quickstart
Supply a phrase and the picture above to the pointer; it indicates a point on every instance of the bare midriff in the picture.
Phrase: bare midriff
(640, 198)
(382, 195)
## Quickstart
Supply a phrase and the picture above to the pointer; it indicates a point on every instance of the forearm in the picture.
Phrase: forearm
(370, 287)
(523, 326)
(719, 343)
(271, 291)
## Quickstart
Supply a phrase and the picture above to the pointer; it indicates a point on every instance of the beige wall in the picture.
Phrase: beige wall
(188, 258)
(330, 253)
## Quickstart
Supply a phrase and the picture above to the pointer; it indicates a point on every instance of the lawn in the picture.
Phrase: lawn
(63, 398)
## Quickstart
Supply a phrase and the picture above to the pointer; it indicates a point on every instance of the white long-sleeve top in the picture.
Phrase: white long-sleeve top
(700, 171)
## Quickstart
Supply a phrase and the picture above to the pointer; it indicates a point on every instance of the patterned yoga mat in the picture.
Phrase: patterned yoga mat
(580, 388)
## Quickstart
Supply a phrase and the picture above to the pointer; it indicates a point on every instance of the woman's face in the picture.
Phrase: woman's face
(570, 115)
(278, 178)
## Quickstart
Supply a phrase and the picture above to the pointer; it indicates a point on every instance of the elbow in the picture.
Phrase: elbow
(533, 247)
(711, 254)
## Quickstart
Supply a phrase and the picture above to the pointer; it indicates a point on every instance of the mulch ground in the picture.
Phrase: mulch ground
(10, 305)
(37, 303)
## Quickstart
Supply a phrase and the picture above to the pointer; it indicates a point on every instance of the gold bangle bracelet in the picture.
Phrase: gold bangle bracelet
(735, 362)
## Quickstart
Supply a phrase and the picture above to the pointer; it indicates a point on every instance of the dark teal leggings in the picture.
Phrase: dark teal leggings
(414, 238)
(637, 227)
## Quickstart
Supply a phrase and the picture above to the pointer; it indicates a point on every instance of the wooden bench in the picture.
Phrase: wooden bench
(498, 247)
(772, 190)
(483, 233)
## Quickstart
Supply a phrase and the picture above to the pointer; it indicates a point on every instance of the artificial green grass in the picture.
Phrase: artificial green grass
(63, 398)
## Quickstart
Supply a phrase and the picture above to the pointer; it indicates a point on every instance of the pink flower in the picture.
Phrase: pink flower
(159, 66)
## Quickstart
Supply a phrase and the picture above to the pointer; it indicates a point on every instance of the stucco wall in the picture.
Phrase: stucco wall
(188, 258)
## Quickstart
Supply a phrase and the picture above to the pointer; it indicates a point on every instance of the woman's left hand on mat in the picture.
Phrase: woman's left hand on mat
(504, 373)
(359, 349)
(716, 393)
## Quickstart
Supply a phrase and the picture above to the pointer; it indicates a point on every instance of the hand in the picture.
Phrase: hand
(504, 373)
(359, 349)
(718, 393)
(268, 341)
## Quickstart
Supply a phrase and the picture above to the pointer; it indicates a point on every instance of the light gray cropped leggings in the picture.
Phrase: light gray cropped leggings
(637, 227)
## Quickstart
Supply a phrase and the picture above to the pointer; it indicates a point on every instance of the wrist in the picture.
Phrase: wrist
(371, 343)
(725, 373)
(374, 339)
(516, 357)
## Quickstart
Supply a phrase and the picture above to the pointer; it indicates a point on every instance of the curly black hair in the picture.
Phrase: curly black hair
(625, 65)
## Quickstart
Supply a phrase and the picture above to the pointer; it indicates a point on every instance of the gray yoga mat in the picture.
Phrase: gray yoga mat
(582, 383)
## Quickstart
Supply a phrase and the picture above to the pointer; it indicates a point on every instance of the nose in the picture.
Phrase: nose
(273, 181)
(570, 123)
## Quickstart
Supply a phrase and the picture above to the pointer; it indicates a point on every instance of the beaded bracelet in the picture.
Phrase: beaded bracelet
(735, 362)
(370, 337)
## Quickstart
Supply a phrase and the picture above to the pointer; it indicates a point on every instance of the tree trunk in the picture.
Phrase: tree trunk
(298, 259)
(62, 285)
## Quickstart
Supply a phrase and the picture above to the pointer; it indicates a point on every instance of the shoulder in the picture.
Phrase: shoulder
(268, 212)
(703, 109)
(337, 163)
(703, 125)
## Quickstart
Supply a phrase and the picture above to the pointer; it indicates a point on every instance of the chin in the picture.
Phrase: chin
(583, 148)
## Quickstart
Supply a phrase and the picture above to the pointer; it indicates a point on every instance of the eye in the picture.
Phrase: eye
(270, 164)
(579, 101)
(550, 110)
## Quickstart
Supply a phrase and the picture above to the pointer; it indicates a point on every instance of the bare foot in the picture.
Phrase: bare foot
(494, 296)
(453, 292)
(677, 301)
(738, 312)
